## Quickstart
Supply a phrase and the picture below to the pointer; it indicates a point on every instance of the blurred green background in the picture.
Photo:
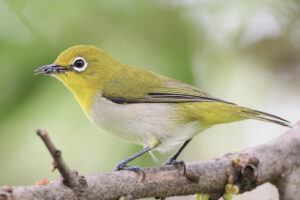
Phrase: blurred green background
(245, 52)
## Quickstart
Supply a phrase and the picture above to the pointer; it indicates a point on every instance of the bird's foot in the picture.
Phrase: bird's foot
(136, 169)
(177, 163)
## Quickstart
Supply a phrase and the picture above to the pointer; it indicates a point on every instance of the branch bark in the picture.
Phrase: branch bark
(276, 162)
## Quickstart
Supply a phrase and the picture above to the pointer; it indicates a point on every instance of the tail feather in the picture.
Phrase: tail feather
(255, 114)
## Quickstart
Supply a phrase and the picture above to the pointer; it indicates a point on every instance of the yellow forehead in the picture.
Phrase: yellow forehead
(88, 52)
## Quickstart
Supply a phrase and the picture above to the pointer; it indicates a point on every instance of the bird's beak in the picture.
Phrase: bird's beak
(51, 69)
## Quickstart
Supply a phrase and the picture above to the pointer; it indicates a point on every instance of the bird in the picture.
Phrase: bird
(141, 106)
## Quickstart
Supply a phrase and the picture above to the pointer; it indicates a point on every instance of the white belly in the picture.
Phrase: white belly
(139, 122)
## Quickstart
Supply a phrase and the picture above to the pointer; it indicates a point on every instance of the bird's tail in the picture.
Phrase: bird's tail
(258, 115)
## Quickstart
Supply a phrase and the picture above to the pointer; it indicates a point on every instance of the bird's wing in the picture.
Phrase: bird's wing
(141, 86)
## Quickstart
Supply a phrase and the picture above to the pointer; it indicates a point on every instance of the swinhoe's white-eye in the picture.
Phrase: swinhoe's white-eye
(141, 106)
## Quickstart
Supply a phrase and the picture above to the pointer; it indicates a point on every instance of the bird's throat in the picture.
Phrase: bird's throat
(83, 92)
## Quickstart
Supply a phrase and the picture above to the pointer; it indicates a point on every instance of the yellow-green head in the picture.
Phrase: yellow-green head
(84, 69)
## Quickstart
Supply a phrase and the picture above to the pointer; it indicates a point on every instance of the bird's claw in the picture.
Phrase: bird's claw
(176, 163)
(136, 169)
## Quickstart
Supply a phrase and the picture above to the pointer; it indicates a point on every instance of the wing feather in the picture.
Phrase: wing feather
(153, 88)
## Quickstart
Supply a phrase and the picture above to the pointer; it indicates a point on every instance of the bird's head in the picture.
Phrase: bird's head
(81, 67)
(84, 70)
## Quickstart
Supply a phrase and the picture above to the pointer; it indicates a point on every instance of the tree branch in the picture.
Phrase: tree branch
(276, 162)
(68, 177)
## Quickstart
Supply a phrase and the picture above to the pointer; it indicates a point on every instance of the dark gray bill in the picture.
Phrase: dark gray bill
(51, 69)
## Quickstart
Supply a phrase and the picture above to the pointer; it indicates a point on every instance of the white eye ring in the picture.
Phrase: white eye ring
(79, 64)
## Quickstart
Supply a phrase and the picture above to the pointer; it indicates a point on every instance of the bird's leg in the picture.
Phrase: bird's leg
(172, 160)
(123, 164)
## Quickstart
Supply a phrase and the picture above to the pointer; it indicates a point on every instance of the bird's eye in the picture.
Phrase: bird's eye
(79, 64)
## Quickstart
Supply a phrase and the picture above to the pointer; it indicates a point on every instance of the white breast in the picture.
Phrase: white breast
(139, 122)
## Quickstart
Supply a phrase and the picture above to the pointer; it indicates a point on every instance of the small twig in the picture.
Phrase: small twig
(69, 178)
